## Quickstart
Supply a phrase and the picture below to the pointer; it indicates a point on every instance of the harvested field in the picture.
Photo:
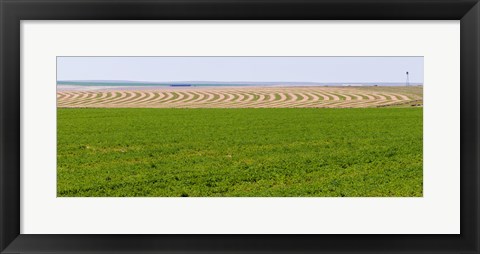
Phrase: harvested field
(243, 97)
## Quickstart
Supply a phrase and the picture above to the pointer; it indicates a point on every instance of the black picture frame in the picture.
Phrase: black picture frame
(13, 11)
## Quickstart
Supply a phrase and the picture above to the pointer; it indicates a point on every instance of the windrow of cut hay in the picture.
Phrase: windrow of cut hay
(243, 97)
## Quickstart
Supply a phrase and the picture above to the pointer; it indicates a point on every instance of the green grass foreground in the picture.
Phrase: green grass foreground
(275, 152)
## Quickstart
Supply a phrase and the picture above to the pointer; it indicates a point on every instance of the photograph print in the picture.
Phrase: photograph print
(240, 126)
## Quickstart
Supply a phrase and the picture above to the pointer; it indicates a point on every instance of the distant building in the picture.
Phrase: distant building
(180, 85)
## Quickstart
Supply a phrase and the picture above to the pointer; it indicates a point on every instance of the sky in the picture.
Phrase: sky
(247, 69)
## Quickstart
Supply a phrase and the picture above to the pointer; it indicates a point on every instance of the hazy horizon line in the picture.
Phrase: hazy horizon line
(215, 81)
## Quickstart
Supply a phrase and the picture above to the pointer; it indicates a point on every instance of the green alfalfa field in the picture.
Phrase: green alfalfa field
(275, 152)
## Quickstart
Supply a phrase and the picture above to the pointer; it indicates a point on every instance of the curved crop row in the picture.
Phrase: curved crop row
(281, 97)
